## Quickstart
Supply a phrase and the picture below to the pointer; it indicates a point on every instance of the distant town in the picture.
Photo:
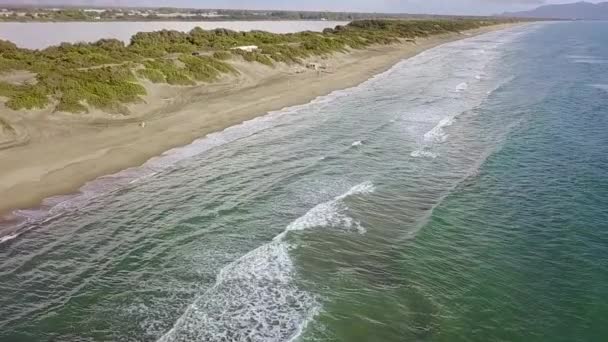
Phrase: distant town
(168, 14)
(25, 14)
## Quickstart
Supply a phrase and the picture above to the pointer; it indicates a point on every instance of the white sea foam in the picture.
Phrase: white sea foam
(586, 59)
(254, 298)
(357, 143)
(137, 180)
(423, 154)
(9, 237)
(438, 134)
(332, 213)
(462, 86)
(438, 98)
(590, 61)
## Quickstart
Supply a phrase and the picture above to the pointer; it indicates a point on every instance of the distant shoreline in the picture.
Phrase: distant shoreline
(92, 14)
(64, 153)
(167, 20)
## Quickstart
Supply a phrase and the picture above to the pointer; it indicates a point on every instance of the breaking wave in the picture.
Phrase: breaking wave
(438, 134)
(255, 298)
(423, 154)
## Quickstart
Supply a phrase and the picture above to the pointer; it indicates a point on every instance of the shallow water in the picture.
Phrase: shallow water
(27, 35)
(459, 196)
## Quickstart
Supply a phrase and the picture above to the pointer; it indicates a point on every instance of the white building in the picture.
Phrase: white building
(93, 10)
(175, 15)
(248, 48)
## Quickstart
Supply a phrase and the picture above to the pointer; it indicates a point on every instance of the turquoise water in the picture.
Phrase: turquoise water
(460, 196)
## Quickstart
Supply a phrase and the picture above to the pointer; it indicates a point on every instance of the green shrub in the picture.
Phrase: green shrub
(199, 69)
(11, 64)
(173, 74)
(100, 74)
(28, 98)
(255, 57)
(178, 77)
(5, 46)
(70, 103)
(7, 89)
(181, 48)
(222, 55)
(155, 76)
(220, 66)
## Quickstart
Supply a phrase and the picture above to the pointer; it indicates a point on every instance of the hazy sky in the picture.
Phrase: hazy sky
(409, 6)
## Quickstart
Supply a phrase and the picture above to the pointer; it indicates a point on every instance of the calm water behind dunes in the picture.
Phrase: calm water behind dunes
(461, 196)
(28, 35)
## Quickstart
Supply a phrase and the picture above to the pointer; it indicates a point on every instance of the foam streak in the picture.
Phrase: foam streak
(254, 298)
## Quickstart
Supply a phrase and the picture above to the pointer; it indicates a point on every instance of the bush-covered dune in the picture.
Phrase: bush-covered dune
(106, 74)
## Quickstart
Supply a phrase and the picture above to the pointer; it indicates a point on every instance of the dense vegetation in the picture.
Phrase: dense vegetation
(70, 13)
(107, 74)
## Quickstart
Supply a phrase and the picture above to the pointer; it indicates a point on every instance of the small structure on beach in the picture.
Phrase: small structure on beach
(248, 48)
(316, 66)
(313, 66)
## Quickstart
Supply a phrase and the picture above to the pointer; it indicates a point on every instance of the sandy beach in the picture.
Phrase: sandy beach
(44, 154)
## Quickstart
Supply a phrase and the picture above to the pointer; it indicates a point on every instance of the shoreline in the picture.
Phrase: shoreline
(64, 153)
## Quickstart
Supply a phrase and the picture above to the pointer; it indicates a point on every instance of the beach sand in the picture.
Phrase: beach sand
(44, 154)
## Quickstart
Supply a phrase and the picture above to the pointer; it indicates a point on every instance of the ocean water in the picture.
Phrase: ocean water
(460, 196)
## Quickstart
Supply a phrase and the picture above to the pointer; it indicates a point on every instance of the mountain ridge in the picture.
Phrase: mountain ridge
(578, 10)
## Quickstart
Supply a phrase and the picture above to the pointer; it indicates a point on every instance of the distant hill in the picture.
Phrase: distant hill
(578, 10)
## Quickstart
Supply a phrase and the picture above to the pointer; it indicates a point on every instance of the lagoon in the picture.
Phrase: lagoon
(41, 35)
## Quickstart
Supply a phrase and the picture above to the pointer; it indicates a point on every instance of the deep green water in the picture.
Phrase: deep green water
(462, 196)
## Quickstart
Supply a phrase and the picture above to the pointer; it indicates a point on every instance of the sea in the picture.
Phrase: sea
(460, 196)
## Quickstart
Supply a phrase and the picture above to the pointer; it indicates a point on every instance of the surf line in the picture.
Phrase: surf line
(254, 297)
